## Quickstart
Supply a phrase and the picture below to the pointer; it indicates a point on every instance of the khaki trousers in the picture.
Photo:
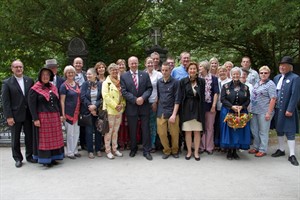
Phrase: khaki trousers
(163, 126)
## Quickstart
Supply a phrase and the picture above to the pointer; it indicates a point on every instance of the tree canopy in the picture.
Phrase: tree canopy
(36, 30)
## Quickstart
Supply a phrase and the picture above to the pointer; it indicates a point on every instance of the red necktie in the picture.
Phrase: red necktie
(135, 80)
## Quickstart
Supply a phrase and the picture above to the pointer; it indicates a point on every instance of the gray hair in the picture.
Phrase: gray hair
(112, 66)
(69, 68)
(235, 69)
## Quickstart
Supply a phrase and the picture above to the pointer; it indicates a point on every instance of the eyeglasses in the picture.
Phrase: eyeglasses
(263, 72)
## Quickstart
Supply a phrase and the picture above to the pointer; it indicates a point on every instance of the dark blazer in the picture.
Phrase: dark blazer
(287, 100)
(15, 104)
(85, 96)
(192, 107)
(131, 94)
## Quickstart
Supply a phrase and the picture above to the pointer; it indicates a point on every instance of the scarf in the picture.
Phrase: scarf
(208, 82)
(45, 89)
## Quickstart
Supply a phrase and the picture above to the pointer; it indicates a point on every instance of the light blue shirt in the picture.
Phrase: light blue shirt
(179, 72)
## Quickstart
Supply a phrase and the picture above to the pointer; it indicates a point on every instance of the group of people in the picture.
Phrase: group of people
(193, 99)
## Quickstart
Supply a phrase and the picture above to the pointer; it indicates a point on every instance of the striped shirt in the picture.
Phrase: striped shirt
(261, 96)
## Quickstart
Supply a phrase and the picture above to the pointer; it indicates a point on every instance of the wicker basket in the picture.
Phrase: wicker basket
(237, 120)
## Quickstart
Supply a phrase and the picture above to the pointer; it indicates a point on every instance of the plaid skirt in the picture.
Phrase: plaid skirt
(50, 132)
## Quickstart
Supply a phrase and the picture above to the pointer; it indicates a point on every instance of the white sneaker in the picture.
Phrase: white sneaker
(110, 156)
(118, 154)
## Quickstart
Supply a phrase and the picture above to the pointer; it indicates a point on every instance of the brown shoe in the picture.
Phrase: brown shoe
(252, 151)
(260, 154)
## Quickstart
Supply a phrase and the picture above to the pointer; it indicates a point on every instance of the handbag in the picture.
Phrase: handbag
(85, 120)
(102, 123)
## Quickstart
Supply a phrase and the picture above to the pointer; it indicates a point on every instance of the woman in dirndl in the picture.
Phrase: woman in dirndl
(43, 101)
(235, 97)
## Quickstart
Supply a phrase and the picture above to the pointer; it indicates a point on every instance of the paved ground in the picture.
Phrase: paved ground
(213, 177)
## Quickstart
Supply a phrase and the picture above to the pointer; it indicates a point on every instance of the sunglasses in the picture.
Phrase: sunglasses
(263, 72)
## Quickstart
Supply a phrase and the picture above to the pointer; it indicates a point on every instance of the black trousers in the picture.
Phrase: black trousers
(146, 138)
(15, 140)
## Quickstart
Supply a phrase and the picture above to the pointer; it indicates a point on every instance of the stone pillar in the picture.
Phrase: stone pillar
(78, 48)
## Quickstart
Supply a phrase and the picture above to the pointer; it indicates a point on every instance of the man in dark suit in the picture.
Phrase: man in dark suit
(57, 80)
(136, 89)
(15, 109)
(286, 114)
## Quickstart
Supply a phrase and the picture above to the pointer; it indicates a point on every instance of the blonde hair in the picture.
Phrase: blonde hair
(265, 67)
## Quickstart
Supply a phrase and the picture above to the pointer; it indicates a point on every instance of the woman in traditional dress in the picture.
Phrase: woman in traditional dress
(44, 106)
(235, 98)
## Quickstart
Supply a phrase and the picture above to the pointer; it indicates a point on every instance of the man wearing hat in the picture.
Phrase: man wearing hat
(52, 64)
(286, 115)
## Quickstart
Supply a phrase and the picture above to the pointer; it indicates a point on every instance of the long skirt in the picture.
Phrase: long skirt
(234, 138)
(48, 142)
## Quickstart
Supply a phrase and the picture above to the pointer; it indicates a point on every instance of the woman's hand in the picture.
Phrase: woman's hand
(62, 118)
(268, 116)
(119, 107)
(237, 108)
(92, 108)
(37, 123)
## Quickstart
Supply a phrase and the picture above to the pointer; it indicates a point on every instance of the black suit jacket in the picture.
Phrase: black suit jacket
(131, 94)
(15, 104)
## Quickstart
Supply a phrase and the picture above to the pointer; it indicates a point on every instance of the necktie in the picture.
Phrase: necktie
(135, 80)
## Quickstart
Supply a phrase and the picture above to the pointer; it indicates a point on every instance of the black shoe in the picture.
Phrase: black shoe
(47, 165)
(188, 157)
(201, 151)
(235, 155)
(210, 152)
(132, 153)
(148, 156)
(278, 153)
(78, 155)
(175, 155)
(293, 160)
(18, 164)
(31, 160)
(229, 155)
(54, 162)
(197, 158)
(165, 156)
(71, 157)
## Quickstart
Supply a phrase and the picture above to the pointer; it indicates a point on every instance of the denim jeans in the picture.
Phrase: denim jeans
(89, 133)
(260, 131)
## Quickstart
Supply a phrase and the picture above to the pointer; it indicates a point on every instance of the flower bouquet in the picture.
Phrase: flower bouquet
(237, 120)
